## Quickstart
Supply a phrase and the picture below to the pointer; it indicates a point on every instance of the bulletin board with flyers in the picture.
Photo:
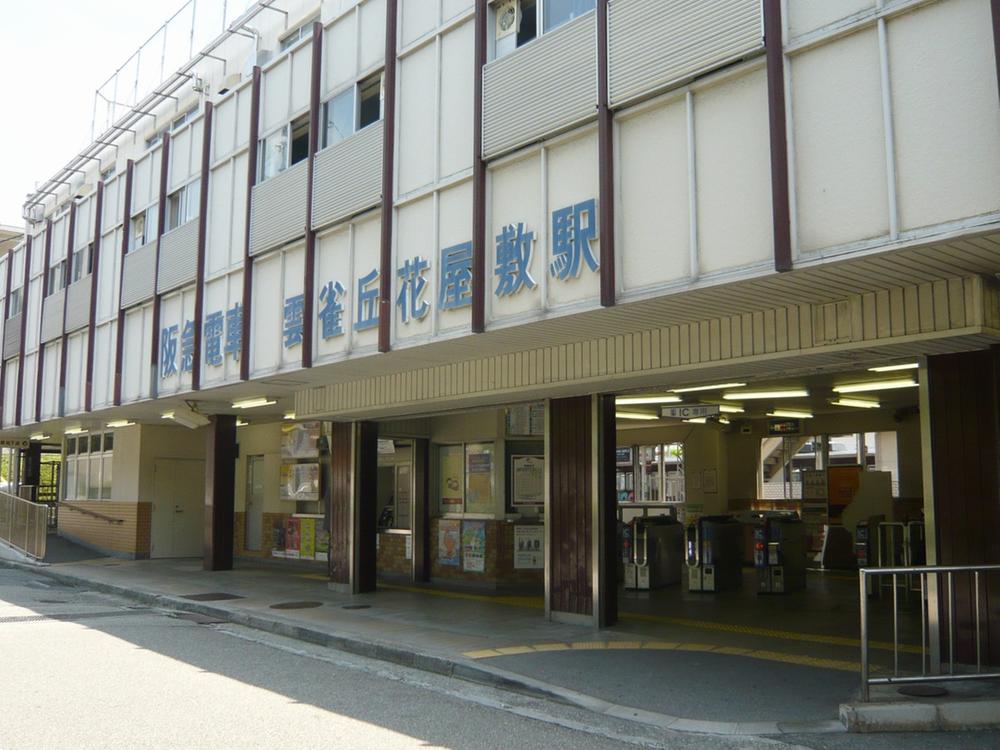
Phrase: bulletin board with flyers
(300, 471)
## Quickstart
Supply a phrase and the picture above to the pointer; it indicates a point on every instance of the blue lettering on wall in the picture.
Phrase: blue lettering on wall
(573, 230)
(367, 312)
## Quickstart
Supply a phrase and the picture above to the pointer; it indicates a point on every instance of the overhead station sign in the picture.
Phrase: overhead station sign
(690, 411)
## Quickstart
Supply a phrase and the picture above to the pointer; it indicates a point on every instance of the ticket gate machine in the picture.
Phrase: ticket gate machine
(655, 552)
(714, 553)
(780, 555)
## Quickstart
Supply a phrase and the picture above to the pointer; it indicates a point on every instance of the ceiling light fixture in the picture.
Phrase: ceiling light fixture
(790, 413)
(40, 436)
(895, 368)
(874, 385)
(858, 403)
(289, 415)
(635, 415)
(791, 393)
(714, 387)
(114, 423)
(75, 431)
(167, 415)
(731, 409)
(636, 400)
(241, 422)
(253, 403)
(697, 420)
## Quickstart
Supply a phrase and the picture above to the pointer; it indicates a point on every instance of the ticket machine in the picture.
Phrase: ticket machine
(655, 554)
(713, 550)
(780, 555)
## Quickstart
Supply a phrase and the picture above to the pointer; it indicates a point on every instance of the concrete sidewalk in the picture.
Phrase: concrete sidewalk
(677, 674)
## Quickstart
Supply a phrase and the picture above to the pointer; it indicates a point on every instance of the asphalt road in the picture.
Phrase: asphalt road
(83, 669)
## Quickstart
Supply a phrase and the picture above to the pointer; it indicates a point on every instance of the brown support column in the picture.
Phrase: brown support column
(580, 520)
(479, 178)
(354, 506)
(24, 328)
(40, 368)
(962, 398)
(388, 169)
(420, 511)
(606, 161)
(120, 327)
(161, 215)
(88, 396)
(247, 260)
(220, 492)
(308, 287)
(199, 284)
(780, 207)
(995, 16)
(71, 233)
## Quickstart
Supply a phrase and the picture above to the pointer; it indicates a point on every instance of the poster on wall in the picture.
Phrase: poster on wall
(527, 480)
(479, 478)
(292, 537)
(402, 519)
(529, 547)
(527, 420)
(452, 477)
(449, 542)
(300, 440)
(322, 545)
(474, 546)
(278, 539)
(299, 482)
(307, 538)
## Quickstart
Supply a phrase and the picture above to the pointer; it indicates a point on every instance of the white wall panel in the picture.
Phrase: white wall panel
(654, 225)
(457, 99)
(732, 149)
(84, 224)
(416, 119)
(176, 311)
(371, 36)
(301, 73)
(108, 276)
(181, 146)
(274, 91)
(224, 127)
(947, 122)
(334, 265)
(340, 53)
(76, 367)
(455, 228)
(50, 380)
(31, 332)
(104, 364)
(417, 18)
(114, 202)
(265, 335)
(452, 8)
(221, 294)
(808, 15)
(292, 272)
(839, 140)
(367, 244)
(138, 346)
(415, 240)
(58, 249)
(30, 381)
(10, 394)
(243, 97)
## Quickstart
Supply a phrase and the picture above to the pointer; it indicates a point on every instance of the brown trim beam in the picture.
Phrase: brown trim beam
(161, 216)
(995, 17)
(88, 396)
(126, 236)
(247, 260)
(40, 369)
(388, 168)
(71, 235)
(199, 284)
(308, 285)
(479, 178)
(780, 206)
(24, 330)
(606, 163)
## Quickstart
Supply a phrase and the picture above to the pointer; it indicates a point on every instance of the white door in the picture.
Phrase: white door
(178, 508)
(255, 502)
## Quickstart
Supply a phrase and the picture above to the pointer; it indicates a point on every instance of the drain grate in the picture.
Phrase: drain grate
(296, 605)
(214, 596)
(357, 606)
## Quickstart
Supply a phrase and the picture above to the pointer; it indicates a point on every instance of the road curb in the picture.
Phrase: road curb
(912, 716)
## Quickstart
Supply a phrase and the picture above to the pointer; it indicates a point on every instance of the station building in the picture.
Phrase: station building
(449, 291)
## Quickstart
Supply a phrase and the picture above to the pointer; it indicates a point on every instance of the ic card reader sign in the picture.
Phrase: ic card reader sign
(689, 411)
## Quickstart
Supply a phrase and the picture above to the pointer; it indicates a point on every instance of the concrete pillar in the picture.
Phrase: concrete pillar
(353, 506)
(581, 525)
(220, 492)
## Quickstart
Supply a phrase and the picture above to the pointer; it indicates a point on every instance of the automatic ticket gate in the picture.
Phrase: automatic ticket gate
(780, 555)
(653, 552)
(714, 546)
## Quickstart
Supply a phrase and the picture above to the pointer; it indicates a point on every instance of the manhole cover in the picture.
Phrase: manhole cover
(296, 605)
(357, 606)
(214, 596)
(923, 691)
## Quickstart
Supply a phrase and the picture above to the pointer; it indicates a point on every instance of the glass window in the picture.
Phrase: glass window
(300, 140)
(370, 104)
(106, 477)
(192, 196)
(558, 12)
(109, 441)
(174, 210)
(339, 118)
(15, 303)
(70, 446)
(273, 154)
(95, 443)
(94, 485)
(527, 28)
(70, 479)
(81, 477)
(81, 263)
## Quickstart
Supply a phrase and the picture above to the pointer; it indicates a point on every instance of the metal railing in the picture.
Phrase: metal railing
(24, 525)
(938, 625)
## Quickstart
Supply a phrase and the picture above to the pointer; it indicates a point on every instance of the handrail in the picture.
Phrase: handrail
(24, 524)
(936, 612)
(89, 512)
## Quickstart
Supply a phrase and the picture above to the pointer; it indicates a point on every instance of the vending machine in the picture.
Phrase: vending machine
(780, 555)
(656, 552)
(713, 553)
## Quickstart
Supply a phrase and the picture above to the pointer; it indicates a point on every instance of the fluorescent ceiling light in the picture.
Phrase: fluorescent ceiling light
(858, 403)
(874, 385)
(167, 415)
(730, 409)
(894, 368)
(289, 415)
(697, 420)
(241, 422)
(636, 400)
(715, 387)
(75, 431)
(40, 436)
(120, 423)
(790, 413)
(635, 415)
(792, 393)
(723, 420)
(253, 403)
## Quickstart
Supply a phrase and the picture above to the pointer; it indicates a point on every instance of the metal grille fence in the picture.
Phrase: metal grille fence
(24, 525)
